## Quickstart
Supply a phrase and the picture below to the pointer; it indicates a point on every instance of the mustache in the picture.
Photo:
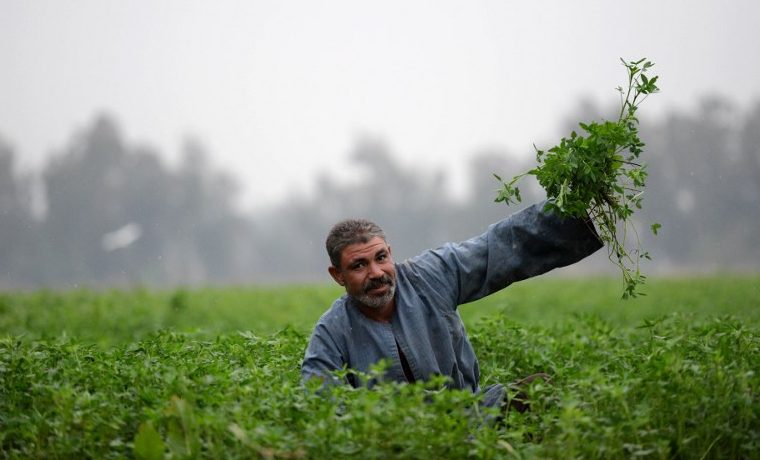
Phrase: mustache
(385, 280)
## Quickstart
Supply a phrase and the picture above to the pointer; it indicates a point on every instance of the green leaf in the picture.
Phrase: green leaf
(148, 443)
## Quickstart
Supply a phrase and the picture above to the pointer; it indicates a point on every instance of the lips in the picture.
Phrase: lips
(378, 290)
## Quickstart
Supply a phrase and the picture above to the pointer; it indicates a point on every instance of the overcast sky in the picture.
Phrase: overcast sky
(279, 90)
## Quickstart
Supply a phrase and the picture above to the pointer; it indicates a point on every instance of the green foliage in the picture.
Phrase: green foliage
(599, 175)
(674, 377)
(109, 318)
(237, 396)
(115, 317)
(148, 443)
(548, 301)
(670, 387)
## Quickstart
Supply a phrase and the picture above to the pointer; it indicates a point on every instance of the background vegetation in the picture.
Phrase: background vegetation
(214, 373)
(104, 212)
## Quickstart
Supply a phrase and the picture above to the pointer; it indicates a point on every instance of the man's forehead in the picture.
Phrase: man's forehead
(363, 250)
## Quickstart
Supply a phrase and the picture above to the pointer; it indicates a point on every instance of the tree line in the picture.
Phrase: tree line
(104, 213)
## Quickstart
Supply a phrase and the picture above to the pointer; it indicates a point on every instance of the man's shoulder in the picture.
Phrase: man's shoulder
(429, 266)
(337, 315)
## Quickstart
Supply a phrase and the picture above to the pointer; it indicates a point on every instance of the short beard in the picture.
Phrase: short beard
(376, 302)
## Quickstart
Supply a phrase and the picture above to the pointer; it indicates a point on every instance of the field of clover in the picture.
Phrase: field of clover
(214, 373)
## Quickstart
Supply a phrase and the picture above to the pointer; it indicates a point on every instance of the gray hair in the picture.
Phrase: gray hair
(348, 232)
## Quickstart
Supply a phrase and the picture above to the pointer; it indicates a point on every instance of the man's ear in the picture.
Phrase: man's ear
(336, 274)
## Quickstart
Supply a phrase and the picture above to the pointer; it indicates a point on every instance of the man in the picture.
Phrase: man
(406, 313)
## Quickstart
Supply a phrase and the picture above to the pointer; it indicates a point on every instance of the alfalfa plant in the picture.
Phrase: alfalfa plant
(598, 174)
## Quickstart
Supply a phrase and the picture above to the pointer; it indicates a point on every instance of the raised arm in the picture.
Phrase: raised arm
(525, 244)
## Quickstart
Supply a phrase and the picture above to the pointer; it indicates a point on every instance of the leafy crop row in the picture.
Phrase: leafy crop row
(119, 317)
(673, 387)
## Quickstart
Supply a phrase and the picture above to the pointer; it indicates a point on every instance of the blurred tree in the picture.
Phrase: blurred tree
(118, 216)
(694, 173)
(146, 202)
(17, 226)
(411, 205)
(210, 241)
(84, 187)
(748, 192)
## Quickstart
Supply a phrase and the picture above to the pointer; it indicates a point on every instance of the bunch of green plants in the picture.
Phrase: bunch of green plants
(625, 382)
(670, 387)
(673, 387)
(599, 175)
(174, 395)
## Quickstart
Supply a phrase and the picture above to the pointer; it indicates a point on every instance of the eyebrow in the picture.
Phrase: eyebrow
(362, 259)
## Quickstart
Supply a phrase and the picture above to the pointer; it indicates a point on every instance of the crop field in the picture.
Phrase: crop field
(214, 373)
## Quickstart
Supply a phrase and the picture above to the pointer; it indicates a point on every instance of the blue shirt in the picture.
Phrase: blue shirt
(425, 325)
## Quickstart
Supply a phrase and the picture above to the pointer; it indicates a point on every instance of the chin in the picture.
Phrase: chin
(376, 303)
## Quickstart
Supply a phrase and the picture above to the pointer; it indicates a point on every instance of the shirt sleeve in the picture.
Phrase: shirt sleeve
(322, 356)
(525, 244)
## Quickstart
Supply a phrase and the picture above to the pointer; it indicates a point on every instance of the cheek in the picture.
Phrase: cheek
(354, 283)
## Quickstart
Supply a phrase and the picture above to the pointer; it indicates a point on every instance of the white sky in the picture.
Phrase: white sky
(278, 90)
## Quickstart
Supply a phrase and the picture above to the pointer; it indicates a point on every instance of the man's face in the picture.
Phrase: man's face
(367, 272)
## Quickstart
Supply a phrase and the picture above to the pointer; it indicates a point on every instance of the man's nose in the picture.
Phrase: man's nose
(375, 271)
